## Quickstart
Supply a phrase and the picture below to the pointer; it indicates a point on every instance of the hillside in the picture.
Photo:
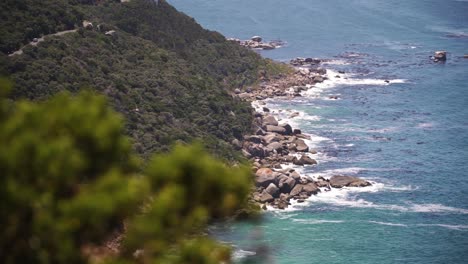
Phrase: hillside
(169, 77)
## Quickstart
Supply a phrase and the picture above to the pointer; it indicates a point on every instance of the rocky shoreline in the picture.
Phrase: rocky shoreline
(275, 147)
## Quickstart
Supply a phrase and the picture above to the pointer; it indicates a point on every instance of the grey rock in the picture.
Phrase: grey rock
(318, 79)
(275, 146)
(256, 151)
(288, 129)
(310, 188)
(286, 184)
(264, 176)
(269, 120)
(295, 175)
(296, 190)
(273, 190)
(253, 139)
(306, 160)
(275, 129)
(264, 197)
(301, 146)
(340, 181)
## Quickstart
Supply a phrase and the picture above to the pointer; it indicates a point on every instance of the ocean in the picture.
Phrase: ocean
(408, 136)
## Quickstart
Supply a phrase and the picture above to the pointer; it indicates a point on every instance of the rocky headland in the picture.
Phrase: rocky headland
(275, 147)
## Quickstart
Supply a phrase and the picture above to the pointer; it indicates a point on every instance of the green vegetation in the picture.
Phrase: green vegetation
(23, 20)
(70, 178)
(169, 77)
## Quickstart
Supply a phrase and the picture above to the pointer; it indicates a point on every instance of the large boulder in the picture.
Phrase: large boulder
(440, 56)
(340, 181)
(282, 204)
(318, 79)
(264, 176)
(273, 190)
(310, 188)
(301, 146)
(269, 120)
(256, 151)
(256, 39)
(295, 175)
(264, 197)
(275, 129)
(253, 139)
(296, 190)
(275, 146)
(286, 184)
(306, 160)
(272, 138)
(288, 129)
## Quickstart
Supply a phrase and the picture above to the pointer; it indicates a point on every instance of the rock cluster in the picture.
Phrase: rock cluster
(256, 43)
(287, 86)
(305, 61)
(274, 144)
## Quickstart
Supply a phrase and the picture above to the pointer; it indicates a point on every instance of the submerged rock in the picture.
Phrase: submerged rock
(440, 56)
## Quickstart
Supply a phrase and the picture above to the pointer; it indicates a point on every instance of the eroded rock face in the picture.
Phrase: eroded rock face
(340, 181)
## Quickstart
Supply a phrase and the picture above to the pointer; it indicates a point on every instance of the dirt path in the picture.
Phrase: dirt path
(39, 40)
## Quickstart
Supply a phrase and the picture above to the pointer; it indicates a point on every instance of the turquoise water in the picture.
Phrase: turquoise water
(409, 137)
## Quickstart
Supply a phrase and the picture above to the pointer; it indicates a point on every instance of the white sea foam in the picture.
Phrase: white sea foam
(335, 62)
(346, 79)
(435, 208)
(317, 221)
(453, 227)
(387, 223)
(426, 125)
(406, 188)
(342, 171)
(239, 254)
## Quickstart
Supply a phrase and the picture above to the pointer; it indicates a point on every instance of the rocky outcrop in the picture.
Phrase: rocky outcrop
(339, 181)
(440, 56)
(256, 43)
(274, 144)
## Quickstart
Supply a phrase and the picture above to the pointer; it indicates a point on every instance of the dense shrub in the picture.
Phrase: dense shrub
(69, 178)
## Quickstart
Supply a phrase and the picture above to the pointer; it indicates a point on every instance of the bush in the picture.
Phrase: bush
(70, 178)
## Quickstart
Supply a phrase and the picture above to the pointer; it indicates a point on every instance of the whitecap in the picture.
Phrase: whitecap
(338, 79)
(387, 223)
(435, 208)
(453, 227)
(317, 221)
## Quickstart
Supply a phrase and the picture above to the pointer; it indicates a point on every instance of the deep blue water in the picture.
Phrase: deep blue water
(409, 137)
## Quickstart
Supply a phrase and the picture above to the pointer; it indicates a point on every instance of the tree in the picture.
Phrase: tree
(69, 178)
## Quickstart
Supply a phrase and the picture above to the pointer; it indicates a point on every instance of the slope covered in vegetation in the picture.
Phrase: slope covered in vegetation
(168, 76)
